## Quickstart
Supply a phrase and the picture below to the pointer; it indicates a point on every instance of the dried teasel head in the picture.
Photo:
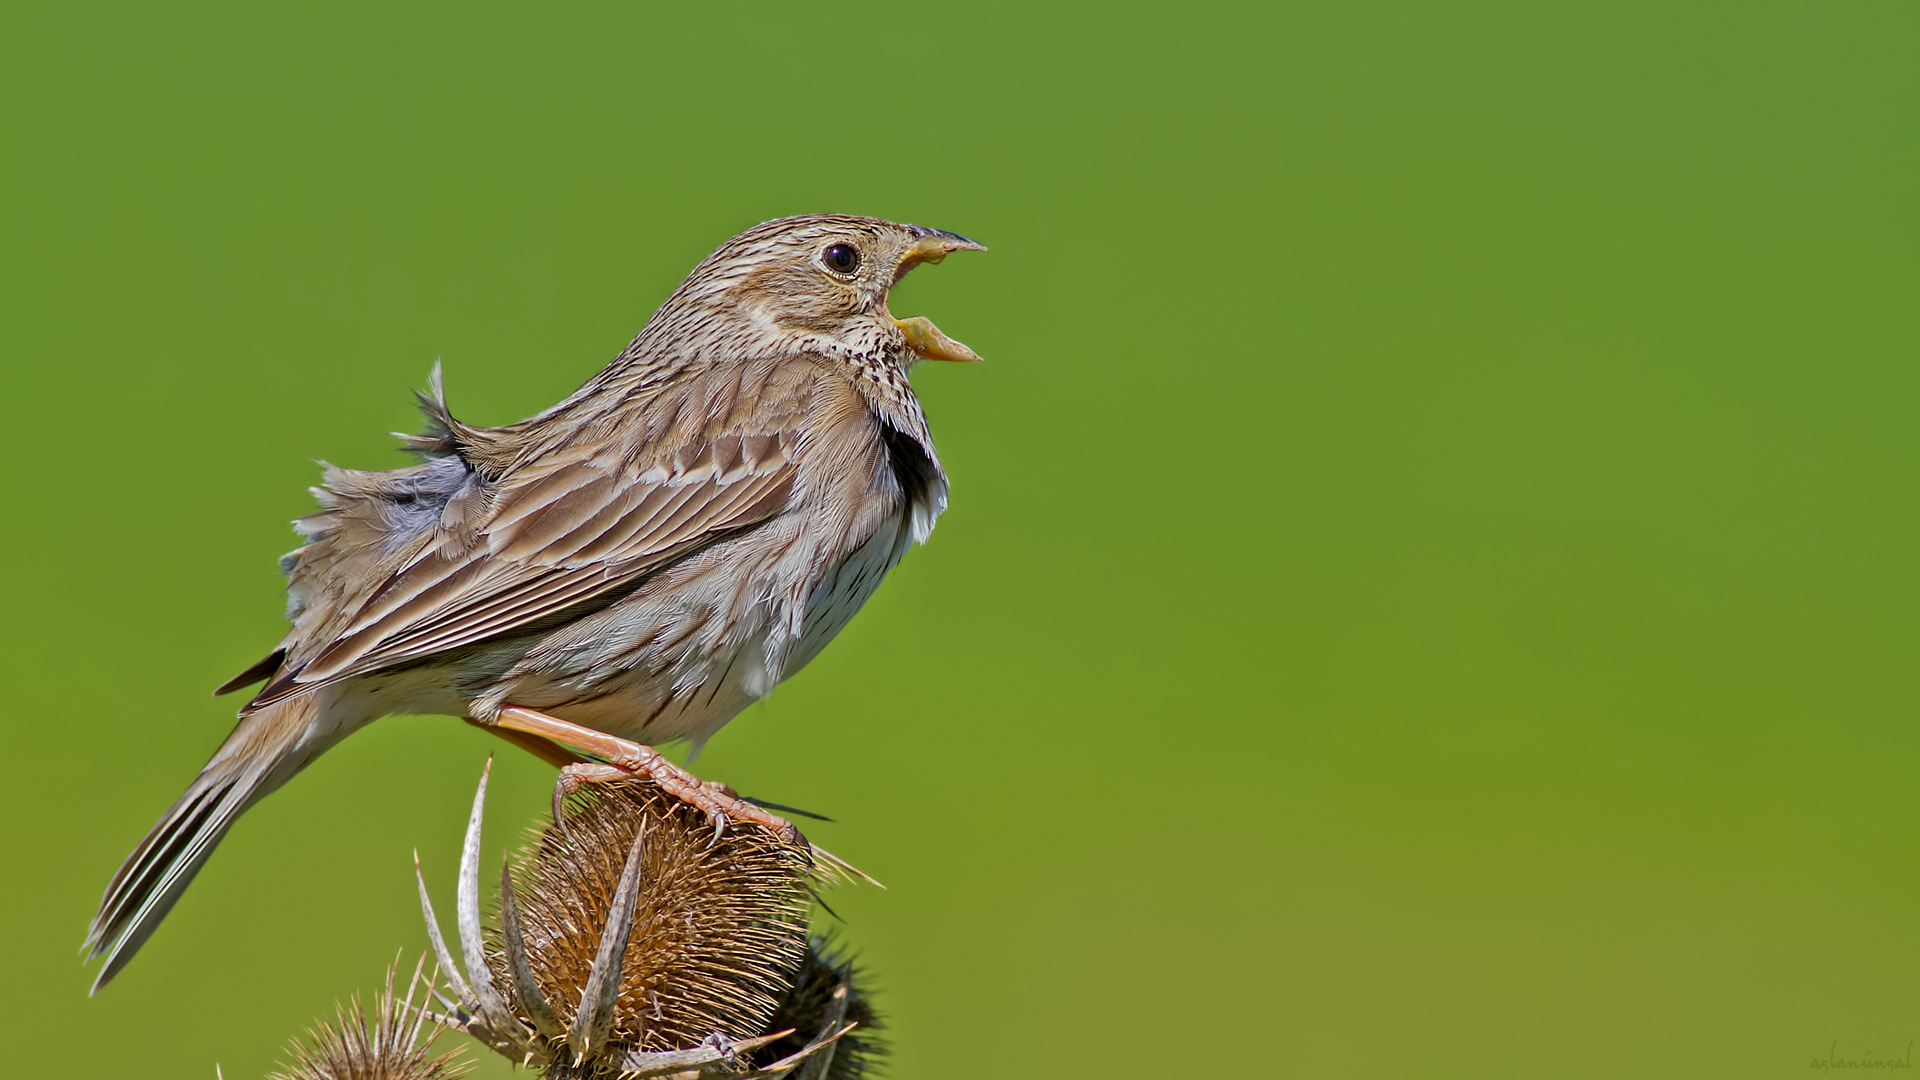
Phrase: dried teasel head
(635, 943)
(394, 1044)
(829, 991)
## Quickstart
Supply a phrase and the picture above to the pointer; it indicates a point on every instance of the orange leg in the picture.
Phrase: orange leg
(557, 756)
(630, 759)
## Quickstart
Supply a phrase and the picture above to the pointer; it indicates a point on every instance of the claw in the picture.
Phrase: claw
(562, 787)
(621, 759)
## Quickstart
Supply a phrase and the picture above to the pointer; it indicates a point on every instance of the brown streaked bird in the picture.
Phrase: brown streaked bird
(633, 566)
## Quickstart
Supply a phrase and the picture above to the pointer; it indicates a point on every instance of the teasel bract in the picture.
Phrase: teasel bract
(635, 942)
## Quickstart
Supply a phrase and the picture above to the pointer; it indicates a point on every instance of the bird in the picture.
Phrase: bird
(631, 567)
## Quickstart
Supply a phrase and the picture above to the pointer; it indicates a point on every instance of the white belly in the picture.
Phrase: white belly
(658, 668)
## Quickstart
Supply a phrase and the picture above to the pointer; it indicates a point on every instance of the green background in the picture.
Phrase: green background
(1430, 587)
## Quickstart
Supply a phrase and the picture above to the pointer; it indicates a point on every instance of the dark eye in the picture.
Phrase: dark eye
(841, 258)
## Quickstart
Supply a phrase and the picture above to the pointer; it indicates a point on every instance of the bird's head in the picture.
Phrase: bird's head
(819, 283)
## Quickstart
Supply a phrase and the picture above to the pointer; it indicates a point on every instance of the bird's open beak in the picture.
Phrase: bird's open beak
(924, 338)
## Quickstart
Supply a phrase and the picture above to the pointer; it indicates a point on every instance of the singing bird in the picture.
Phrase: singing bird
(633, 566)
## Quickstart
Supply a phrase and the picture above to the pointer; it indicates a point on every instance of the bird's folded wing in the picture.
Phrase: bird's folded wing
(574, 525)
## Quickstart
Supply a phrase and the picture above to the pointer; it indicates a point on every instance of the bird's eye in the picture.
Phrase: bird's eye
(841, 258)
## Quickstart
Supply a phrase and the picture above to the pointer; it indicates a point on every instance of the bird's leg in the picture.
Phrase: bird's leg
(552, 753)
(627, 760)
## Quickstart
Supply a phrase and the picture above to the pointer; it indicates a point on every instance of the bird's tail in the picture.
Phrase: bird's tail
(263, 752)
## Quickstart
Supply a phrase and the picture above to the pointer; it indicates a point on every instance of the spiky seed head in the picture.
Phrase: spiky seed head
(806, 1009)
(394, 1044)
(718, 931)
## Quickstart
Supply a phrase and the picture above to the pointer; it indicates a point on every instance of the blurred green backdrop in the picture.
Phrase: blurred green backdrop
(1430, 588)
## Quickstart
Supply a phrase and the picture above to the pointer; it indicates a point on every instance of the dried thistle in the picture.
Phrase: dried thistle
(390, 1047)
(635, 942)
(827, 992)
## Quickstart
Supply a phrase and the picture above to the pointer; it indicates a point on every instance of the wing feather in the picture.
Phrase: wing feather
(578, 524)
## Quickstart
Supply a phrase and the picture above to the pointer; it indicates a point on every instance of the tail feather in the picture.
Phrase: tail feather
(263, 752)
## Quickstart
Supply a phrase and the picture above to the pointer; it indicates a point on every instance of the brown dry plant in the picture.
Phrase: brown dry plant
(717, 932)
(825, 976)
(396, 1043)
(635, 941)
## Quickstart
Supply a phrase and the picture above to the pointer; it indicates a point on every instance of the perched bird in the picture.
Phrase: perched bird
(635, 565)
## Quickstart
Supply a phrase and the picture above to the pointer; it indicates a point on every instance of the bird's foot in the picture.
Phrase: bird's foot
(627, 760)
(719, 802)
